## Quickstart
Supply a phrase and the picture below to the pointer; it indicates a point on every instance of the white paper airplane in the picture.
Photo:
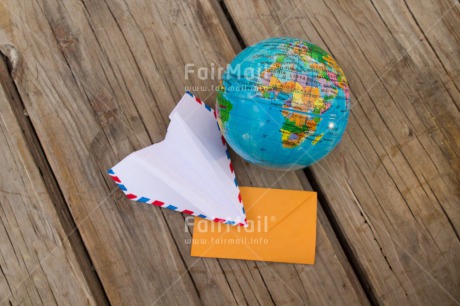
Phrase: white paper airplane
(190, 171)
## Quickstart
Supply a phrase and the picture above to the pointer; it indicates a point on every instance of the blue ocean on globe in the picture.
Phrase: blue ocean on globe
(283, 103)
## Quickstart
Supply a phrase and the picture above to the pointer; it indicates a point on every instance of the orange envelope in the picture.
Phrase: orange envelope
(282, 228)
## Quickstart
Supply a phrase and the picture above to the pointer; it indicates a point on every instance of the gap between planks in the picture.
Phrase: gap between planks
(364, 282)
(67, 222)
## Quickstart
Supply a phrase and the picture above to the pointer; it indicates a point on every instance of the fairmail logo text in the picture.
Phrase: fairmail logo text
(258, 225)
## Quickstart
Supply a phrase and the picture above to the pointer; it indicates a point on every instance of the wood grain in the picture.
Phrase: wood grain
(98, 80)
(392, 186)
(38, 263)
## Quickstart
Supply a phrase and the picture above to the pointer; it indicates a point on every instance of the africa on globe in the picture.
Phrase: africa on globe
(283, 103)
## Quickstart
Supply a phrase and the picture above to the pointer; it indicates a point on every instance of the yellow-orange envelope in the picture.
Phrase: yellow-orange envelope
(282, 228)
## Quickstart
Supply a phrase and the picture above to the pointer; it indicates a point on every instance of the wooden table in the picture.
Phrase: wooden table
(86, 82)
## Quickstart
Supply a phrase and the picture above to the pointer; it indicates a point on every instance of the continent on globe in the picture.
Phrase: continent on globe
(305, 91)
(283, 103)
(223, 105)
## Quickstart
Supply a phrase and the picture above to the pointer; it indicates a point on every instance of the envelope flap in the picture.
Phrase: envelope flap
(278, 213)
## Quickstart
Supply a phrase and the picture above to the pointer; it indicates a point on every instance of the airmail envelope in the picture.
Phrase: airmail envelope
(281, 228)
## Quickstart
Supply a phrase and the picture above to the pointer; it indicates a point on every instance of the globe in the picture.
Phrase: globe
(283, 103)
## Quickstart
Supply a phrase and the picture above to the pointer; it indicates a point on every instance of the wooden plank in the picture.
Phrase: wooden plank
(38, 263)
(392, 185)
(98, 80)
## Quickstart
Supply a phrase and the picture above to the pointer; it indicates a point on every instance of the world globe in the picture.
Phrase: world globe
(283, 103)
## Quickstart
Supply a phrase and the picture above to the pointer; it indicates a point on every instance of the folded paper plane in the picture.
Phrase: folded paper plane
(281, 228)
(190, 171)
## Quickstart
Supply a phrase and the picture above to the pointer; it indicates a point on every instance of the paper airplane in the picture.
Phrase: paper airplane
(190, 171)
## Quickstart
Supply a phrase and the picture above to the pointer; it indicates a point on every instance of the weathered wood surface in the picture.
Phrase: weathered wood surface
(98, 80)
(38, 263)
(392, 186)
